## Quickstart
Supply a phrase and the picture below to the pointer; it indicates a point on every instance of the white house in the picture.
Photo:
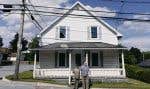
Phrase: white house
(71, 39)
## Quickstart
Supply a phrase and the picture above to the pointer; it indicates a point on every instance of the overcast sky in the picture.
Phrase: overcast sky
(136, 34)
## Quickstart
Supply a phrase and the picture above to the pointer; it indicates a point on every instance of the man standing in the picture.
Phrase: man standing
(76, 72)
(85, 75)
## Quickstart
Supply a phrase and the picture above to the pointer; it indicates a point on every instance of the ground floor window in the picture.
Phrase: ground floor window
(61, 59)
(95, 58)
(78, 59)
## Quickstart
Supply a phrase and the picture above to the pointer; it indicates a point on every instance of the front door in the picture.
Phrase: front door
(78, 59)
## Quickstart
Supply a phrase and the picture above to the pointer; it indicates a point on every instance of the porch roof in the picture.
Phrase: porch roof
(78, 45)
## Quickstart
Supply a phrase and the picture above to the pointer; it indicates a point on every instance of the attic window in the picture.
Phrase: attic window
(62, 32)
(93, 32)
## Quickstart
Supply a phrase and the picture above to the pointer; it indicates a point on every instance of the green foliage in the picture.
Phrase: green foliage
(13, 43)
(26, 75)
(6, 63)
(137, 54)
(146, 55)
(139, 73)
(33, 44)
(129, 58)
(1, 41)
(133, 56)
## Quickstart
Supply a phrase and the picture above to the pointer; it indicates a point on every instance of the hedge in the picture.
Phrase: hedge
(138, 73)
(6, 63)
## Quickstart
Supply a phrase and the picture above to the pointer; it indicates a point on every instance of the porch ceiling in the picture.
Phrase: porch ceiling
(78, 45)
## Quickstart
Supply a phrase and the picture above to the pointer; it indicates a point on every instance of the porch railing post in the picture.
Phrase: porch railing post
(34, 68)
(86, 57)
(69, 67)
(123, 66)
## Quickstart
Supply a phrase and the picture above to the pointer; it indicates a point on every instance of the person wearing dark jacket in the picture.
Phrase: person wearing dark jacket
(76, 73)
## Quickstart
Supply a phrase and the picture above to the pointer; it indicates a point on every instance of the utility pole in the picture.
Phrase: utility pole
(19, 44)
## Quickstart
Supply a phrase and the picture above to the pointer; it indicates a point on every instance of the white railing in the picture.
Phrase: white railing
(64, 72)
(52, 73)
(106, 72)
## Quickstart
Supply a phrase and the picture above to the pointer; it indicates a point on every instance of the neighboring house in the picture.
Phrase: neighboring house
(14, 55)
(70, 40)
(4, 54)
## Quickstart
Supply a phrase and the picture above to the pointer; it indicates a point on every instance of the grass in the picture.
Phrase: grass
(27, 76)
(131, 84)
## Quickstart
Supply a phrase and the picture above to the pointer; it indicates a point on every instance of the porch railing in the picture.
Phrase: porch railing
(64, 72)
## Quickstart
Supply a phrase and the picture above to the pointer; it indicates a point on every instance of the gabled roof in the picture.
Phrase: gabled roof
(84, 8)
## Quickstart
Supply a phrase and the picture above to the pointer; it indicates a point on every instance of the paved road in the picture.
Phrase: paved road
(8, 70)
(26, 85)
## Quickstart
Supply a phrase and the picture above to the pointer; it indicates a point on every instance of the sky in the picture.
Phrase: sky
(136, 34)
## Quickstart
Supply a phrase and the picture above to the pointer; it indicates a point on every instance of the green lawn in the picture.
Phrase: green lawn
(131, 84)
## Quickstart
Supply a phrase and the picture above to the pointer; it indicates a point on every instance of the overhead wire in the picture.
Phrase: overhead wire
(86, 16)
(61, 8)
(35, 10)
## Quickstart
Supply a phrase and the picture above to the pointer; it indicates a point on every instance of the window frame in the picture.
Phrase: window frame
(58, 60)
(62, 28)
(90, 32)
(67, 34)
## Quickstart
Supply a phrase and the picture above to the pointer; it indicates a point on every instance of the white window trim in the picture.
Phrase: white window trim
(67, 33)
(98, 33)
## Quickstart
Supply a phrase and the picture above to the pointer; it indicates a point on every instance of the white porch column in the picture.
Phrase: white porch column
(69, 67)
(86, 58)
(34, 65)
(123, 66)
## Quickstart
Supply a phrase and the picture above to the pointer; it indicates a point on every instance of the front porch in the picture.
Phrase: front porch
(58, 63)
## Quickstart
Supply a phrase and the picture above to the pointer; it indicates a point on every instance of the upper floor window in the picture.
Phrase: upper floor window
(94, 32)
(62, 32)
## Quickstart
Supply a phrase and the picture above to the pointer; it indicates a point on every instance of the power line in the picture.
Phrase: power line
(34, 23)
(35, 10)
(56, 13)
(87, 10)
(86, 16)
(34, 19)
(61, 8)
(131, 2)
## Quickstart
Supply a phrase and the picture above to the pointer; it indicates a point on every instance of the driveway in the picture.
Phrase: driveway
(9, 70)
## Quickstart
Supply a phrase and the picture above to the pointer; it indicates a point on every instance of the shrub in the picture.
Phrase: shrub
(138, 73)
(6, 62)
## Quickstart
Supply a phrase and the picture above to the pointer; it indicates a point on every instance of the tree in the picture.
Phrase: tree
(13, 43)
(137, 54)
(1, 41)
(33, 44)
(129, 58)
